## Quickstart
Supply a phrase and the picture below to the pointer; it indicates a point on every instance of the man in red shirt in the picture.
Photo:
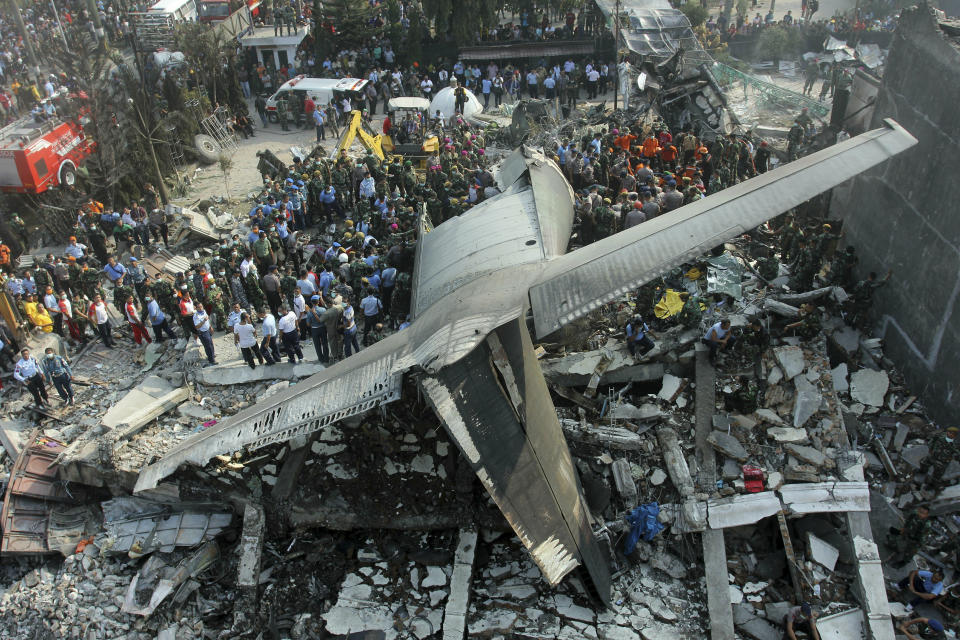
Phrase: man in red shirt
(133, 317)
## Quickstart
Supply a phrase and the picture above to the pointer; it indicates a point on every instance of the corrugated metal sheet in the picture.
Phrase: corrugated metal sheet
(577, 283)
(138, 526)
(32, 493)
(656, 30)
(517, 50)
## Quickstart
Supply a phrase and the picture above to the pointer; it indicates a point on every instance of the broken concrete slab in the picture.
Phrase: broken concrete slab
(915, 454)
(839, 377)
(847, 338)
(576, 369)
(791, 361)
(810, 455)
(825, 497)
(903, 430)
(740, 510)
(627, 411)
(240, 373)
(13, 435)
(151, 398)
(822, 552)
(806, 401)
(801, 473)
(455, 613)
(727, 445)
(768, 415)
(842, 626)
(251, 547)
(623, 480)
(787, 434)
(671, 387)
(675, 461)
(869, 387)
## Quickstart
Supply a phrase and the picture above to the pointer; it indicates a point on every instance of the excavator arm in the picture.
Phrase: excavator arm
(358, 129)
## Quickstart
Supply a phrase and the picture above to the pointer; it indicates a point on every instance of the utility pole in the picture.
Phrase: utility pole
(616, 52)
(31, 53)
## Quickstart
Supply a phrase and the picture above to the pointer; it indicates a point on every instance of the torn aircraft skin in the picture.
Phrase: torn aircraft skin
(459, 302)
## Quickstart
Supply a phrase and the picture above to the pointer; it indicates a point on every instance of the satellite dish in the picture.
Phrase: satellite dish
(642, 80)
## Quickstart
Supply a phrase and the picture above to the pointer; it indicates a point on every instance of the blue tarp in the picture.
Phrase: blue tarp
(643, 523)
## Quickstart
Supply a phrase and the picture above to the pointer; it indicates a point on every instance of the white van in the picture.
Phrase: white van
(298, 89)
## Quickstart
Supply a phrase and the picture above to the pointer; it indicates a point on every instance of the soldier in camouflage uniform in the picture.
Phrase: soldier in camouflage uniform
(790, 236)
(121, 292)
(288, 286)
(768, 268)
(691, 314)
(744, 399)
(943, 451)
(238, 293)
(19, 229)
(808, 263)
(808, 326)
(254, 293)
(89, 280)
(843, 266)
(81, 304)
(42, 277)
(605, 223)
(359, 270)
(216, 306)
(166, 297)
(863, 297)
(400, 300)
(910, 538)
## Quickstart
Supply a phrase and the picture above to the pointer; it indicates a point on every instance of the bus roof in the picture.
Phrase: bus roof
(168, 6)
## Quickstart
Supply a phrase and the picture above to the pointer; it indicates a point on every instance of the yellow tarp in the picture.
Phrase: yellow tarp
(670, 304)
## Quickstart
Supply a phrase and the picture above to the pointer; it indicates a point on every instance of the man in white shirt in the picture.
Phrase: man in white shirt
(349, 329)
(201, 321)
(245, 337)
(426, 87)
(98, 316)
(290, 334)
(27, 371)
(300, 308)
(269, 346)
(718, 337)
(371, 306)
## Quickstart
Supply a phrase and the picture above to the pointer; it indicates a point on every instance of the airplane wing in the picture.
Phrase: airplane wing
(351, 386)
(575, 284)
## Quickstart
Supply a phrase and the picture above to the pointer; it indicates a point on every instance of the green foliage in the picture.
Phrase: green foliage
(778, 42)
(350, 19)
(212, 58)
(696, 14)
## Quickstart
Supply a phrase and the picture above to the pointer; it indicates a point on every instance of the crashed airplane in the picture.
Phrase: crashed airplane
(478, 279)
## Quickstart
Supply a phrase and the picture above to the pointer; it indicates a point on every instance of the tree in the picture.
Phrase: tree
(212, 59)
(342, 24)
(226, 165)
(696, 14)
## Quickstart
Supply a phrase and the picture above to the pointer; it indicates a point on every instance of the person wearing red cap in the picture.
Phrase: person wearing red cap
(761, 159)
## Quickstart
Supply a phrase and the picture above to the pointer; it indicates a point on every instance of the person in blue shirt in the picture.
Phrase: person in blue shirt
(927, 586)
(324, 280)
(328, 198)
(717, 337)
(637, 338)
(57, 371)
(114, 270)
(318, 122)
(158, 320)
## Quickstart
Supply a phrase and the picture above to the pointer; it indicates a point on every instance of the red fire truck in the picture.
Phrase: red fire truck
(37, 156)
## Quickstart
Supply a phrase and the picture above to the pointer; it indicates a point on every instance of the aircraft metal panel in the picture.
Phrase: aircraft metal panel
(480, 418)
(579, 282)
(353, 385)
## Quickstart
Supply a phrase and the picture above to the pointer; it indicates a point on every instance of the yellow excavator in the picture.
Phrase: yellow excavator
(417, 149)
(357, 128)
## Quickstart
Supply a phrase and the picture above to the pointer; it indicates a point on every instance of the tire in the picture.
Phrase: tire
(208, 150)
(272, 117)
(68, 175)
